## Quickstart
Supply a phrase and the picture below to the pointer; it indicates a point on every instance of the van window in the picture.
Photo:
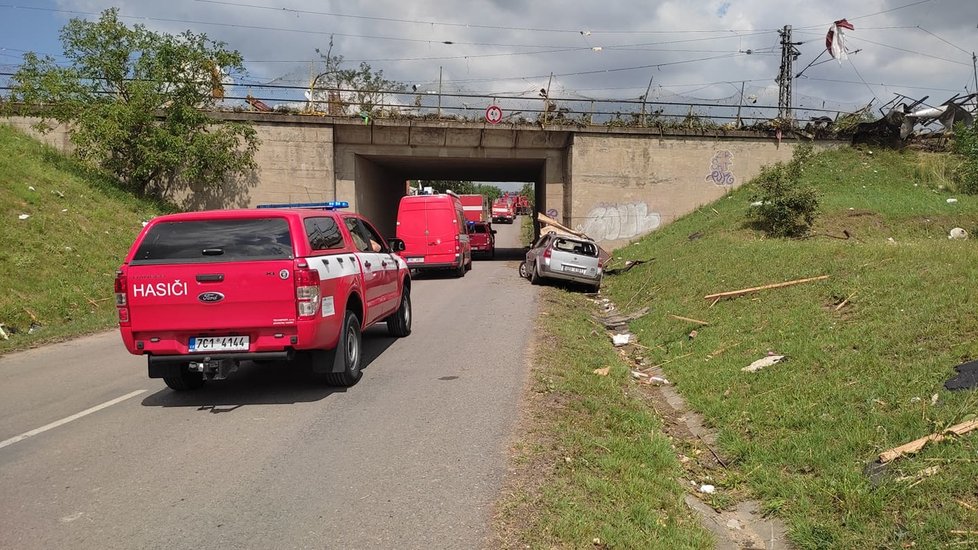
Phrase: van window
(323, 233)
(214, 241)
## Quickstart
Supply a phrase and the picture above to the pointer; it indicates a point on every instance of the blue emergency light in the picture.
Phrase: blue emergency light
(329, 205)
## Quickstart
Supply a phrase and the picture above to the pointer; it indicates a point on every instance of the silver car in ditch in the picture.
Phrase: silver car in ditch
(564, 257)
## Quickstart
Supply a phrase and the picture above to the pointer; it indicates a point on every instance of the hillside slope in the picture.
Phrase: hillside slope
(65, 229)
(868, 350)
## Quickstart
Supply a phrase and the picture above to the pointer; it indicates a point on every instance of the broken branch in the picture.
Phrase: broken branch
(690, 319)
(735, 293)
(917, 444)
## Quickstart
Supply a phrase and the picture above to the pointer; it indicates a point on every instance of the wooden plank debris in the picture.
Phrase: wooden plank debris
(689, 319)
(918, 444)
(741, 292)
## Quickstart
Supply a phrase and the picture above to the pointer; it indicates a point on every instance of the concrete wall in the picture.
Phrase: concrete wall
(626, 186)
(295, 164)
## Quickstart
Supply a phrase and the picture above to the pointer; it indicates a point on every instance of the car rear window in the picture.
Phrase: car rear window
(323, 234)
(478, 229)
(213, 241)
(576, 247)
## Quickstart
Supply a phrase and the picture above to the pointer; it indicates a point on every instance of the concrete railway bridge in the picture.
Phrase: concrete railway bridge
(616, 184)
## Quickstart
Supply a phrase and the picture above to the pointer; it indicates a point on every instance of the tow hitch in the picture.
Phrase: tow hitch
(215, 370)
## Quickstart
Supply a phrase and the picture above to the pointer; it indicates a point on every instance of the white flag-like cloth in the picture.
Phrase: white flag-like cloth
(835, 39)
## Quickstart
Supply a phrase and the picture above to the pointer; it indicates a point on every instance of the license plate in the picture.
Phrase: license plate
(573, 269)
(199, 344)
(415, 260)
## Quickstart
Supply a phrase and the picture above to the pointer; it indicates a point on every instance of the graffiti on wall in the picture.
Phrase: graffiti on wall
(721, 168)
(611, 222)
(553, 213)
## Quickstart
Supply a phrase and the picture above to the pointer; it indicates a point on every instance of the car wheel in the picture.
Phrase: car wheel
(348, 352)
(524, 272)
(186, 380)
(534, 276)
(399, 324)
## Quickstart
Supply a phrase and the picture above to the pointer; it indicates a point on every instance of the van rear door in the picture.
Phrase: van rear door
(195, 275)
(412, 228)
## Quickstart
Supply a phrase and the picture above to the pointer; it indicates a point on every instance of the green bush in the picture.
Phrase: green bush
(966, 147)
(782, 205)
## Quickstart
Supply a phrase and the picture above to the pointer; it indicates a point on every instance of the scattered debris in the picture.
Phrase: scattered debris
(58, 193)
(966, 379)
(844, 302)
(695, 235)
(692, 334)
(23, 216)
(619, 320)
(933, 399)
(638, 375)
(917, 444)
(690, 319)
(602, 371)
(919, 476)
(31, 187)
(762, 363)
(958, 234)
(63, 210)
(35, 327)
(3, 333)
(621, 339)
(952, 200)
(628, 265)
(891, 240)
(736, 293)
(707, 489)
(656, 381)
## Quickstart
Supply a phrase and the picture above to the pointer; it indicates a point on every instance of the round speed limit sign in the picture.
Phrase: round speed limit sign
(494, 114)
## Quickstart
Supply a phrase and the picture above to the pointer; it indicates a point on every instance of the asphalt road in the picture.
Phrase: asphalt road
(411, 457)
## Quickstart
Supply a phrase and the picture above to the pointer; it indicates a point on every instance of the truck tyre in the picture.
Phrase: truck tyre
(348, 353)
(185, 380)
(399, 324)
(534, 278)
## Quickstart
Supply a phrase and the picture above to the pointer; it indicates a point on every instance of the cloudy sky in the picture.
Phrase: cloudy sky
(696, 49)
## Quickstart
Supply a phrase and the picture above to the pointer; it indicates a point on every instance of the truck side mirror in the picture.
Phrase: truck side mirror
(397, 245)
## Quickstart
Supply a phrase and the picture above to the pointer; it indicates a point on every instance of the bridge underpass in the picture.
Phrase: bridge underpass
(381, 180)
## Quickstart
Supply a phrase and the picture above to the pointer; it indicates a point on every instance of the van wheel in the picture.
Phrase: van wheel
(186, 380)
(348, 353)
(460, 270)
(534, 278)
(399, 324)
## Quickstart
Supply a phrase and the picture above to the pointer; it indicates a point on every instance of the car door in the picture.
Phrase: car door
(389, 262)
(374, 260)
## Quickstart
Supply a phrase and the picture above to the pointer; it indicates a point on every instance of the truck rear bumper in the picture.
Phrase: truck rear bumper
(169, 365)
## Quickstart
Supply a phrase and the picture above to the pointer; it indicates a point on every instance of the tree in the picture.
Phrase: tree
(362, 87)
(134, 103)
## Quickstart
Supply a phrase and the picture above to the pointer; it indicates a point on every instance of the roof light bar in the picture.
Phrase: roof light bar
(329, 205)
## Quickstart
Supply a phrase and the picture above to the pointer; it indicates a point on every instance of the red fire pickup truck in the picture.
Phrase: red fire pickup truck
(199, 292)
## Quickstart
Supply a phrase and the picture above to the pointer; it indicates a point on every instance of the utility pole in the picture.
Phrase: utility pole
(740, 104)
(788, 54)
(439, 92)
(546, 99)
(646, 98)
(974, 65)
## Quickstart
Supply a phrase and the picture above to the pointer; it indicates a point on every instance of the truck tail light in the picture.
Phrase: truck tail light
(307, 294)
(546, 256)
(122, 297)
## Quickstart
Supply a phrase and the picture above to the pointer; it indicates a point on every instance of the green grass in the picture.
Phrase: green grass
(57, 267)
(858, 380)
(596, 464)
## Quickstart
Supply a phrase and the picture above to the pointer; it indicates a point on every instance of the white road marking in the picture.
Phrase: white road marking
(68, 419)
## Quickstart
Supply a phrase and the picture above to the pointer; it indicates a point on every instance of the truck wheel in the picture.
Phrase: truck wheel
(185, 380)
(399, 324)
(348, 353)
(534, 278)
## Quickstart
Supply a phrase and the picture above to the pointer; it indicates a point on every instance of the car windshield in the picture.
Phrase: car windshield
(582, 248)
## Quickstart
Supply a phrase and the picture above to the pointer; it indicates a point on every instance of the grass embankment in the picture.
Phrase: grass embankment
(859, 378)
(57, 266)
